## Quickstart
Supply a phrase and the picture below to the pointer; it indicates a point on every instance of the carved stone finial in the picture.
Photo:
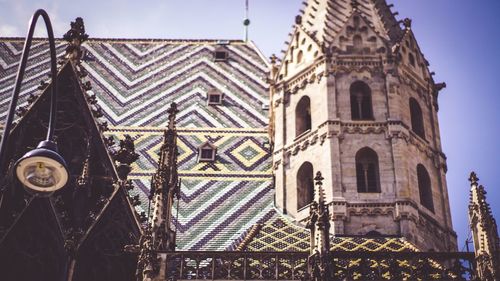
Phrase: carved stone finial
(407, 23)
(355, 4)
(473, 178)
(273, 59)
(484, 233)
(172, 112)
(75, 37)
(319, 179)
(126, 156)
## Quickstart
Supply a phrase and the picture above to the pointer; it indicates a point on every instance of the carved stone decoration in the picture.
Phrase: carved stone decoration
(148, 262)
(160, 235)
(75, 37)
(83, 180)
(320, 262)
(484, 233)
(125, 156)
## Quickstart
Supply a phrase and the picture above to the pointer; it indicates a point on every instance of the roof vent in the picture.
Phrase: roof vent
(214, 97)
(221, 54)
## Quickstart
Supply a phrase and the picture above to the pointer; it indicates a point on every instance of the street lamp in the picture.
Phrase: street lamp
(42, 171)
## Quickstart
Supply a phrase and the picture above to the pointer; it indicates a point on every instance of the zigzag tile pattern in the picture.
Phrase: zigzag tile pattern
(37, 69)
(136, 80)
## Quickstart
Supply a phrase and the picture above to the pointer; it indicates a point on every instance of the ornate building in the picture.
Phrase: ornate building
(199, 159)
(354, 94)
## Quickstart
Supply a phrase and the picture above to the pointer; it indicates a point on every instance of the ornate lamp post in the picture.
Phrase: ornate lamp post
(42, 171)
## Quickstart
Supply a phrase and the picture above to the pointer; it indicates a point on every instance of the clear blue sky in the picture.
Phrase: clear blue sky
(460, 38)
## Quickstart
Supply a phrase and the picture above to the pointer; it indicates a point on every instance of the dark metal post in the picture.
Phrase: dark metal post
(19, 80)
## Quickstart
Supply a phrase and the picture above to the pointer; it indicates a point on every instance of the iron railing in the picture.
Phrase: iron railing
(296, 266)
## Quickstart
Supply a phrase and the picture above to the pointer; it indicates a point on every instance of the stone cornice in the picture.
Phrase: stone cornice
(393, 129)
(399, 209)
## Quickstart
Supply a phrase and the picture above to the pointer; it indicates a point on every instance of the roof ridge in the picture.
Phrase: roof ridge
(141, 40)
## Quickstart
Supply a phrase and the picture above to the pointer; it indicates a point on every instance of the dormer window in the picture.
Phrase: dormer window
(221, 54)
(214, 97)
(207, 152)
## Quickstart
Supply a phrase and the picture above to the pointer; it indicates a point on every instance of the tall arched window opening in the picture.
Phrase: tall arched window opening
(411, 58)
(361, 101)
(303, 116)
(367, 171)
(417, 120)
(299, 56)
(305, 185)
(425, 188)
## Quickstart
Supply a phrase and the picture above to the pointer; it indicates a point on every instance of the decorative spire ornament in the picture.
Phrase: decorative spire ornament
(484, 233)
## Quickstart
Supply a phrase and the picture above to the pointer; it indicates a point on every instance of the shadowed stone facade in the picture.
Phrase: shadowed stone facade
(373, 124)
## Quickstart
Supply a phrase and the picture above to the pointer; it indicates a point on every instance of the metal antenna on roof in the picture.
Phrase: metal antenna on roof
(246, 22)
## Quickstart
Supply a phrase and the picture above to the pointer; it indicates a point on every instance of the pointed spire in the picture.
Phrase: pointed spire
(158, 234)
(319, 224)
(324, 19)
(407, 23)
(165, 187)
(484, 232)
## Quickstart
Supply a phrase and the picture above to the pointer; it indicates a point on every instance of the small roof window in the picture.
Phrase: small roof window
(214, 97)
(207, 152)
(221, 54)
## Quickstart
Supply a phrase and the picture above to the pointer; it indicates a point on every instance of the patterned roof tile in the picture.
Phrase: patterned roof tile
(136, 80)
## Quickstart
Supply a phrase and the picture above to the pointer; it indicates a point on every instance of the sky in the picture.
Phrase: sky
(460, 39)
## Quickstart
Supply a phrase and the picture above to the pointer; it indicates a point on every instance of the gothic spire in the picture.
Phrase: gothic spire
(159, 234)
(165, 187)
(324, 19)
(319, 224)
(484, 232)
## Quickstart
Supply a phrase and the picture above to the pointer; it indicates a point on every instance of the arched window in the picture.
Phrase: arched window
(361, 101)
(367, 172)
(305, 185)
(424, 188)
(303, 116)
(299, 56)
(411, 58)
(417, 120)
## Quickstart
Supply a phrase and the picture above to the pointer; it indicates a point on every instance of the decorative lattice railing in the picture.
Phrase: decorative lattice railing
(296, 266)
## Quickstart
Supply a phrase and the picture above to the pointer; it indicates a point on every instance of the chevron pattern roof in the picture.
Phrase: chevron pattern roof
(136, 80)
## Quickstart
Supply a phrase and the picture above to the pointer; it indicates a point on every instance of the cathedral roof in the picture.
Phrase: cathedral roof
(279, 234)
(324, 19)
(136, 80)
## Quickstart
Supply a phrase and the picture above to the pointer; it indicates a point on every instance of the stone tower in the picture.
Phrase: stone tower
(353, 98)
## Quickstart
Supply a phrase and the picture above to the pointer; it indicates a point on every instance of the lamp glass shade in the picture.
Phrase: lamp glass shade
(42, 171)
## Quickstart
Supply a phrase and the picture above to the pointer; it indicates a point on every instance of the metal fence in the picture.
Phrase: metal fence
(297, 266)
